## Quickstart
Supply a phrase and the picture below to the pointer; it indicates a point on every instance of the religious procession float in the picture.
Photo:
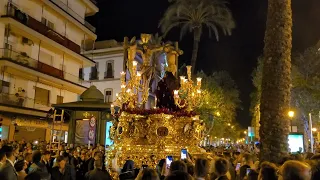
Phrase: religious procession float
(154, 112)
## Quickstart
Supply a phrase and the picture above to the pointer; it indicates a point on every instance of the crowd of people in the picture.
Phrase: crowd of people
(20, 160)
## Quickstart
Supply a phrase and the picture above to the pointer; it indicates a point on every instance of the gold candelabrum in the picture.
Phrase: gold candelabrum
(189, 95)
(131, 90)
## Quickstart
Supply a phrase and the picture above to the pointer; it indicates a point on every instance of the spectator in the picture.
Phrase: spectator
(201, 169)
(98, 173)
(45, 160)
(268, 171)
(127, 171)
(147, 174)
(59, 172)
(190, 169)
(295, 170)
(3, 158)
(221, 168)
(37, 165)
(20, 167)
(178, 166)
(179, 175)
(247, 163)
(8, 171)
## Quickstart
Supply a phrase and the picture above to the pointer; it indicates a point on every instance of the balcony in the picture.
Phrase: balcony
(23, 59)
(15, 13)
(76, 16)
(17, 100)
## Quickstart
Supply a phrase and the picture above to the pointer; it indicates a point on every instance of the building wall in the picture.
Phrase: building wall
(61, 25)
(106, 84)
(58, 60)
(29, 87)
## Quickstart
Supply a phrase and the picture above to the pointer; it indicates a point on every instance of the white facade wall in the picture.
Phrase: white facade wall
(67, 63)
(103, 84)
(61, 25)
(29, 87)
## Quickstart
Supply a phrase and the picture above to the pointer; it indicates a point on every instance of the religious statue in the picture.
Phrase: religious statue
(164, 91)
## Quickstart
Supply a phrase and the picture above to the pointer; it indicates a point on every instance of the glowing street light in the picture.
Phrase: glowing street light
(291, 114)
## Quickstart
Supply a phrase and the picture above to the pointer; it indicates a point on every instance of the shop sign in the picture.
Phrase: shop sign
(32, 123)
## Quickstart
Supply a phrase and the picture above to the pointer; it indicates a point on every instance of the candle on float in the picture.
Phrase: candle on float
(123, 76)
(134, 63)
(176, 92)
(112, 109)
(123, 87)
(199, 82)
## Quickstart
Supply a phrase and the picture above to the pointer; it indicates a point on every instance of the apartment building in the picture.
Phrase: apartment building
(105, 75)
(41, 42)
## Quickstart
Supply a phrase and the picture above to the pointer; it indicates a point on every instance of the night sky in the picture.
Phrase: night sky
(236, 54)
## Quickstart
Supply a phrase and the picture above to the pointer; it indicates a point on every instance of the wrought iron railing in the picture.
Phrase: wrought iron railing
(23, 59)
(21, 101)
(75, 15)
(14, 12)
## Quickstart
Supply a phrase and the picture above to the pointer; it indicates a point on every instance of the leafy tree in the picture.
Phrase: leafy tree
(194, 16)
(221, 100)
(305, 91)
(276, 81)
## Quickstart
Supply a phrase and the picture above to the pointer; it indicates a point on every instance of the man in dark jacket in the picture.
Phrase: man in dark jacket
(8, 171)
(97, 173)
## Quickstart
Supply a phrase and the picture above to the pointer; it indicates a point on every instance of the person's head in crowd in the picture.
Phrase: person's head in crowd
(128, 166)
(36, 157)
(295, 170)
(61, 162)
(46, 156)
(178, 166)
(179, 175)
(9, 153)
(66, 157)
(98, 164)
(220, 167)
(147, 174)
(3, 157)
(20, 165)
(268, 171)
(247, 159)
(201, 168)
(190, 168)
(28, 157)
(97, 155)
(227, 155)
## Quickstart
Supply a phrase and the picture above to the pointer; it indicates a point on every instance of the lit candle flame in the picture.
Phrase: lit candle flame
(134, 63)
(199, 91)
(138, 73)
(199, 79)
(123, 86)
(176, 92)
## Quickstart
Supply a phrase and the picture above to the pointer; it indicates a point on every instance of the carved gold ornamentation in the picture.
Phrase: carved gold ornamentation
(153, 137)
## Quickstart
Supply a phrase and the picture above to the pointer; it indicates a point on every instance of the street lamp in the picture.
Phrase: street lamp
(291, 115)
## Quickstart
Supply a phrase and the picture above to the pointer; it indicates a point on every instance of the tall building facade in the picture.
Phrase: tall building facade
(105, 75)
(41, 46)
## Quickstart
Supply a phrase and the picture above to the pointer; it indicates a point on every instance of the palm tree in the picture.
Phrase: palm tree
(193, 16)
(276, 82)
